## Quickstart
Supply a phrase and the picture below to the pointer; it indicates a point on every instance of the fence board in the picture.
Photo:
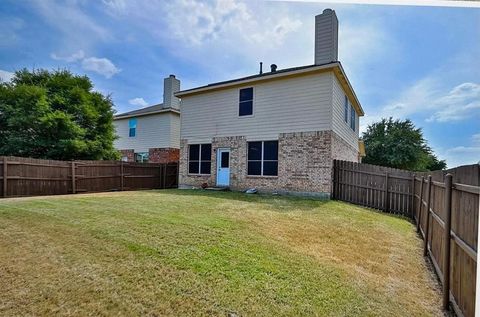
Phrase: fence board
(37, 177)
(407, 194)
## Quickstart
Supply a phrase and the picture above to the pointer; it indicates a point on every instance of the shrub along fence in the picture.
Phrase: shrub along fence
(444, 206)
(36, 177)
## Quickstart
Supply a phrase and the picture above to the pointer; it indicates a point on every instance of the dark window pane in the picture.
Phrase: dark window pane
(131, 132)
(193, 154)
(346, 109)
(270, 150)
(246, 108)
(270, 168)
(246, 94)
(225, 159)
(193, 167)
(205, 168)
(206, 152)
(255, 168)
(254, 151)
(352, 118)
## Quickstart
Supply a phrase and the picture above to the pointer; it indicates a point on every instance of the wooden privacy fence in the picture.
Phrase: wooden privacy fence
(445, 208)
(373, 186)
(36, 177)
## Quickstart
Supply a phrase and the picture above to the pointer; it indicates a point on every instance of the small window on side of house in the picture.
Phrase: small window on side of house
(245, 107)
(352, 118)
(141, 157)
(132, 127)
(345, 115)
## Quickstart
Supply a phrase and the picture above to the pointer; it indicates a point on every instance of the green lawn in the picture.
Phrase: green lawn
(197, 253)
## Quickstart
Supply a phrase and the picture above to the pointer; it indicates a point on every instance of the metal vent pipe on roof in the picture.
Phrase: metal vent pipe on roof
(261, 68)
(273, 68)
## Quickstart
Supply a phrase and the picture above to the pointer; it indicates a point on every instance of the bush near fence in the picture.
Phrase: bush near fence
(444, 206)
(36, 177)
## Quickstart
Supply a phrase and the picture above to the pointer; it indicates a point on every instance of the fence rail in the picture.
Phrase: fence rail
(444, 206)
(36, 177)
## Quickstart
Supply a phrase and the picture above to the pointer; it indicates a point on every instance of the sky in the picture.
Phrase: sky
(416, 62)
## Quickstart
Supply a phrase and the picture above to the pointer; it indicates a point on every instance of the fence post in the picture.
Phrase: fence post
(427, 215)
(446, 237)
(121, 176)
(334, 180)
(74, 189)
(5, 179)
(413, 197)
(386, 203)
(420, 204)
(165, 175)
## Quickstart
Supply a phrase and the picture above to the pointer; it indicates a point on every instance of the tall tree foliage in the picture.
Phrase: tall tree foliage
(55, 115)
(399, 144)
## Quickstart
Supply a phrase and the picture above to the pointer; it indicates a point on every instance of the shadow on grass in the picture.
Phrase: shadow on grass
(274, 202)
(280, 203)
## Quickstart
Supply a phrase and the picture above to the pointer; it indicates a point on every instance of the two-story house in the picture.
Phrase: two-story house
(275, 131)
(151, 134)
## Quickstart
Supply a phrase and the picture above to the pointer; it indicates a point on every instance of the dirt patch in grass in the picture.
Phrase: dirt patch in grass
(192, 253)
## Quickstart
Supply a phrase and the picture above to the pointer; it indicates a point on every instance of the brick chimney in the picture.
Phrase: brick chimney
(326, 37)
(171, 85)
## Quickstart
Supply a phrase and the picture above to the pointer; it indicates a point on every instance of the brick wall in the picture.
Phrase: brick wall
(130, 154)
(341, 150)
(304, 163)
(163, 155)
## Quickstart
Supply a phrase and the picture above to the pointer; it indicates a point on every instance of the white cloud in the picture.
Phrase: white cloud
(227, 37)
(429, 97)
(462, 102)
(102, 66)
(5, 76)
(138, 102)
(9, 27)
(70, 18)
(75, 57)
(363, 43)
(462, 155)
(476, 139)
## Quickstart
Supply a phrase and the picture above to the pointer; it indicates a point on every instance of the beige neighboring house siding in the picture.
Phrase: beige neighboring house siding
(341, 127)
(175, 131)
(297, 104)
(153, 131)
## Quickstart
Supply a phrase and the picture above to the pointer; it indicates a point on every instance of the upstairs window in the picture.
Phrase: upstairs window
(263, 158)
(245, 102)
(199, 159)
(132, 127)
(345, 115)
(352, 118)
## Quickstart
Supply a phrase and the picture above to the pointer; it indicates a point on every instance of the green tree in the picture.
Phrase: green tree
(399, 144)
(55, 115)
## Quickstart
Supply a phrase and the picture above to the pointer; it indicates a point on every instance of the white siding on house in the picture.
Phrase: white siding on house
(297, 104)
(341, 127)
(153, 131)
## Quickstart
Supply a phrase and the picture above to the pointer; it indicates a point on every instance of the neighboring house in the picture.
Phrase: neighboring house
(276, 131)
(151, 134)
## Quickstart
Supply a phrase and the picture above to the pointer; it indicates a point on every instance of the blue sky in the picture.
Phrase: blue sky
(421, 63)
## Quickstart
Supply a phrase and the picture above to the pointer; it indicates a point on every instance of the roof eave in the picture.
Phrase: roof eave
(119, 117)
(278, 75)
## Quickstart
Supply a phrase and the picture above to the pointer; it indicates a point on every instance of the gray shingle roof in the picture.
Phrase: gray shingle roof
(286, 70)
(145, 111)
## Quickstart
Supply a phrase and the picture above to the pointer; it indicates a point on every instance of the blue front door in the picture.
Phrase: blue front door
(223, 167)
